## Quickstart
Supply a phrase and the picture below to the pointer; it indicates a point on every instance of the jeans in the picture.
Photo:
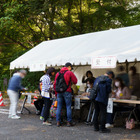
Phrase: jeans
(61, 97)
(100, 109)
(14, 97)
(46, 108)
(109, 118)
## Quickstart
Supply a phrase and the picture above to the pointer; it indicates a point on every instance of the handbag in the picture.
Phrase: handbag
(53, 109)
(130, 124)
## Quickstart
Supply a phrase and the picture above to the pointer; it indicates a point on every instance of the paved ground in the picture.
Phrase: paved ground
(30, 128)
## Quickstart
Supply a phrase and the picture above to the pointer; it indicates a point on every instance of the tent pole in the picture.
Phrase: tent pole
(135, 62)
(127, 66)
(75, 69)
(10, 73)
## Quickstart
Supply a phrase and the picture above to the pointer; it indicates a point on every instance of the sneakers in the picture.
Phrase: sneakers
(47, 123)
(58, 124)
(41, 118)
(108, 125)
(14, 117)
(69, 124)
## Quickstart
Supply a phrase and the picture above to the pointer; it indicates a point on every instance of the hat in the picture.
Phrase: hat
(23, 71)
(68, 64)
(111, 72)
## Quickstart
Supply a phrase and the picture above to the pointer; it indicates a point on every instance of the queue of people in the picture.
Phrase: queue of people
(63, 92)
(122, 87)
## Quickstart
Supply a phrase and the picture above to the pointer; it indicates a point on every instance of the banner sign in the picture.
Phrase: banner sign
(37, 67)
(103, 62)
(77, 103)
(110, 106)
(29, 99)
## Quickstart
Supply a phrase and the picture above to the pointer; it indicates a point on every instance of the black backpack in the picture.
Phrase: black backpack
(95, 89)
(61, 85)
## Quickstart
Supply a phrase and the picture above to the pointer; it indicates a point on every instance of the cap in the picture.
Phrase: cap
(68, 64)
(111, 72)
(23, 71)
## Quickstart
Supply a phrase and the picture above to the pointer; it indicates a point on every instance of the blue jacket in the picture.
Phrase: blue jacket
(15, 83)
(104, 89)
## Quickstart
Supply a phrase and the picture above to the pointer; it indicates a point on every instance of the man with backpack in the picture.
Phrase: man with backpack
(62, 86)
(103, 84)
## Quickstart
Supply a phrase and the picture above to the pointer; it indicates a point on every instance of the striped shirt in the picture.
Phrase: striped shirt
(46, 83)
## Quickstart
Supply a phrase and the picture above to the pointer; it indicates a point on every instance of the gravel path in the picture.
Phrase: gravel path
(29, 127)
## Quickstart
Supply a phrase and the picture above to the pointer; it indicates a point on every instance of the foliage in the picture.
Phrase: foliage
(31, 81)
(25, 23)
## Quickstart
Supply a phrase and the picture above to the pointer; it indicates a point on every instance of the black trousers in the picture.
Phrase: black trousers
(100, 115)
(46, 109)
(39, 104)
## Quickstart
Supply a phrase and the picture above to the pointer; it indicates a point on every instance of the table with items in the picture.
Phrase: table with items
(111, 101)
(132, 107)
(29, 96)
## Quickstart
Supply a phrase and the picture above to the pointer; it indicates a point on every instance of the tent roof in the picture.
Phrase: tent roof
(124, 43)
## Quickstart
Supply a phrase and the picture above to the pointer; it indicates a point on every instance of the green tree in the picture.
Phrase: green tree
(26, 23)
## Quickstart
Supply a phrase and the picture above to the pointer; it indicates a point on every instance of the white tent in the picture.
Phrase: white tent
(124, 43)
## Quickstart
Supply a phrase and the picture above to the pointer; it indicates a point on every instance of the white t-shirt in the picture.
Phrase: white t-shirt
(118, 93)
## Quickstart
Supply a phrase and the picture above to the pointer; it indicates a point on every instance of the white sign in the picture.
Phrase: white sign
(37, 67)
(77, 103)
(103, 62)
(110, 106)
(29, 99)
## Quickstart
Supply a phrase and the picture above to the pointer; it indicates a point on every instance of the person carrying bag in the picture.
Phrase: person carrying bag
(62, 87)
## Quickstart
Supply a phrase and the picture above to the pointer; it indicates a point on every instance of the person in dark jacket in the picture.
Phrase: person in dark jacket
(85, 79)
(13, 92)
(123, 75)
(89, 74)
(101, 101)
(135, 86)
(67, 95)
(134, 82)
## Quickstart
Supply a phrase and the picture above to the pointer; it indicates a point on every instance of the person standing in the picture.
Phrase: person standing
(88, 75)
(100, 103)
(13, 92)
(134, 82)
(62, 86)
(45, 93)
(123, 75)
